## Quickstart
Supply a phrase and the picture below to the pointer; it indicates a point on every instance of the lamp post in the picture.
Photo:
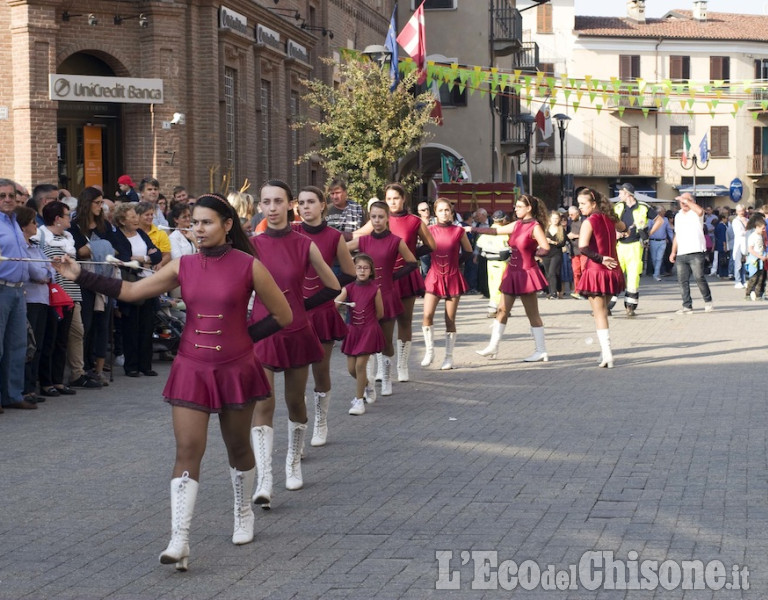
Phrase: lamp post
(694, 163)
(562, 124)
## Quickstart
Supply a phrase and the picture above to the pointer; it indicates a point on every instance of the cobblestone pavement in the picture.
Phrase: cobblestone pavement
(662, 458)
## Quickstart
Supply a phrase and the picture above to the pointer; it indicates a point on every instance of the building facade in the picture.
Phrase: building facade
(194, 92)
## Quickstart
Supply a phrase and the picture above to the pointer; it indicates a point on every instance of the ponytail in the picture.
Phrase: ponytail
(219, 204)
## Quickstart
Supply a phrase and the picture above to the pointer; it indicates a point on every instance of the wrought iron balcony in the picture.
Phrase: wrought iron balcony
(759, 98)
(506, 28)
(612, 166)
(757, 164)
(527, 57)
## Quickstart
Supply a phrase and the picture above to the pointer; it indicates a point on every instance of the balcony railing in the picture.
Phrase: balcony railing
(612, 166)
(648, 101)
(757, 164)
(506, 28)
(758, 98)
(527, 58)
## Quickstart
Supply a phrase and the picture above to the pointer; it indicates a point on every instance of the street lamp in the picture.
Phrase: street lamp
(562, 124)
(694, 162)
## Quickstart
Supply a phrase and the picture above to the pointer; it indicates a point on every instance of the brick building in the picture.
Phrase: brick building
(185, 91)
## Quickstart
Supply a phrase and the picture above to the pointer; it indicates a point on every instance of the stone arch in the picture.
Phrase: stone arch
(112, 57)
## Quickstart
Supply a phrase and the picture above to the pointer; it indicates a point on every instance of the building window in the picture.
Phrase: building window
(718, 142)
(629, 151)
(435, 4)
(680, 67)
(230, 122)
(452, 96)
(629, 67)
(266, 142)
(719, 68)
(294, 133)
(544, 18)
(676, 135)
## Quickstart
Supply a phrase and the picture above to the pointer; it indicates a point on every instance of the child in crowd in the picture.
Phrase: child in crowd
(364, 334)
(755, 257)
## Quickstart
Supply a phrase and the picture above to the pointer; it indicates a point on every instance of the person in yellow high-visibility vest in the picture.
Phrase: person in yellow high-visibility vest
(636, 216)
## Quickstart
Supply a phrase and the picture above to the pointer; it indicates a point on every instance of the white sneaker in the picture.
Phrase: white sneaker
(753, 296)
(358, 407)
(370, 394)
(738, 285)
(708, 307)
(119, 360)
(684, 311)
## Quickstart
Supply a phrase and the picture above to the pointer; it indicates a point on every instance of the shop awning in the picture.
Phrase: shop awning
(705, 190)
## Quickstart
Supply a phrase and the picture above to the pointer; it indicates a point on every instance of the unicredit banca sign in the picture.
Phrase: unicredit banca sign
(88, 88)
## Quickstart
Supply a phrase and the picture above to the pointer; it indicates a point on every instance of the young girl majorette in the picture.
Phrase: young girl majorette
(325, 318)
(287, 255)
(384, 248)
(410, 228)
(215, 370)
(522, 277)
(444, 280)
(602, 277)
(364, 334)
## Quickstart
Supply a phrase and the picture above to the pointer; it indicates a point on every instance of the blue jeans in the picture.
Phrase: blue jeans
(657, 256)
(687, 264)
(13, 343)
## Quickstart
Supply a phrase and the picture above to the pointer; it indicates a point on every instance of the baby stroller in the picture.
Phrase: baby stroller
(167, 333)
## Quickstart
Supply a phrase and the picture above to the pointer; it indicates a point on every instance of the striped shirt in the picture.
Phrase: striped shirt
(51, 251)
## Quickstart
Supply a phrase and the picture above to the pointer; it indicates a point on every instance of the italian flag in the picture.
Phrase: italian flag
(686, 149)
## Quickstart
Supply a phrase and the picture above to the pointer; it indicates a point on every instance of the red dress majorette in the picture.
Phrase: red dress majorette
(444, 279)
(325, 319)
(364, 334)
(597, 279)
(406, 227)
(215, 367)
(523, 275)
(285, 254)
(383, 248)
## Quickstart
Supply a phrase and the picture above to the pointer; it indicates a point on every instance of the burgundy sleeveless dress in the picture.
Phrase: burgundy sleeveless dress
(444, 278)
(364, 334)
(523, 275)
(383, 249)
(285, 254)
(406, 227)
(215, 368)
(325, 319)
(597, 279)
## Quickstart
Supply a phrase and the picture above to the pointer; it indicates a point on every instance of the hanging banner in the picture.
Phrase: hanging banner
(94, 174)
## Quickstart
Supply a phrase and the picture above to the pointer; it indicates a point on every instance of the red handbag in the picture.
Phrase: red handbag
(59, 299)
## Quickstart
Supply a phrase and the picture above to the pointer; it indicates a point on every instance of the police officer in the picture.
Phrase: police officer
(636, 216)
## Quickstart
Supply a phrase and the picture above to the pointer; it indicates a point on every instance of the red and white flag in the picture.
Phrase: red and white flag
(544, 121)
(413, 40)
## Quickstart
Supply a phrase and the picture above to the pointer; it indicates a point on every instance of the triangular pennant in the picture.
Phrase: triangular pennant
(640, 84)
(690, 102)
(635, 100)
(552, 101)
(566, 93)
(764, 104)
(579, 94)
(592, 96)
(598, 108)
(551, 83)
(517, 73)
(645, 112)
(621, 110)
(755, 114)
(575, 105)
(715, 103)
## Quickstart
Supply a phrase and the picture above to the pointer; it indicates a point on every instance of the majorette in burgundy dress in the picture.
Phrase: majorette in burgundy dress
(383, 249)
(406, 227)
(597, 279)
(325, 319)
(444, 278)
(523, 275)
(364, 334)
(285, 254)
(215, 367)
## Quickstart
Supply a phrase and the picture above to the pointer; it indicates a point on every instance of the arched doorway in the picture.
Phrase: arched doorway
(430, 160)
(89, 134)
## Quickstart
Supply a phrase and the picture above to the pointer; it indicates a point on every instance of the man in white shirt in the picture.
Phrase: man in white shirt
(688, 251)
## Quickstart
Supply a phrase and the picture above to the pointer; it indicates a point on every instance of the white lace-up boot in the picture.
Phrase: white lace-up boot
(403, 352)
(261, 440)
(320, 432)
(386, 380)
(379, 366)
(183, 496)
(242, 486)
(296, 433)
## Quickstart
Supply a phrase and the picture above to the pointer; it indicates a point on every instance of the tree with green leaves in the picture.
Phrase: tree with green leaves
(364, 129)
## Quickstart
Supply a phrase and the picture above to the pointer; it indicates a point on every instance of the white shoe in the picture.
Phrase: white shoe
(370, 393)
(320, 431)
(684, 311)
(738, 285)
(379, 366)
(242, 486)
(119, 360)
(708, 307)
(450, 341)
(358, 407)
(753, 296)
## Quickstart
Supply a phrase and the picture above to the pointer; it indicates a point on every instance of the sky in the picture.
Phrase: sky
(657, 8)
